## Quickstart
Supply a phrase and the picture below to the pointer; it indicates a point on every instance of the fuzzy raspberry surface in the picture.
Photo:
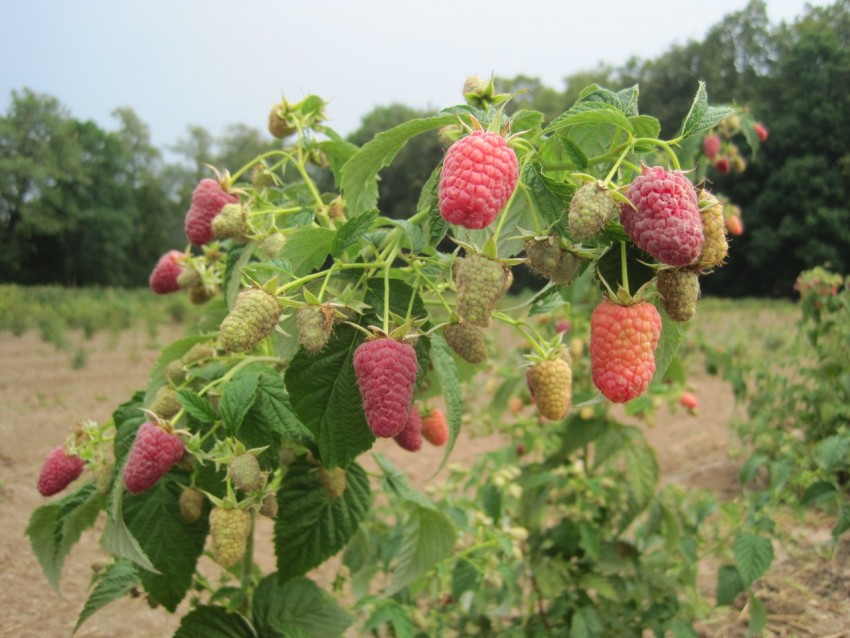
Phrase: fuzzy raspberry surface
(386, 374)
(665, 220)
(154, 452)
(207, 201)
(435, 429)
(622, 348)
(410, 438)
(551, 385)
(479, 175)
(164, 275)
(58, 471)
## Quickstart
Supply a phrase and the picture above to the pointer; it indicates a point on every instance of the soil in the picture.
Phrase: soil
(42, 396)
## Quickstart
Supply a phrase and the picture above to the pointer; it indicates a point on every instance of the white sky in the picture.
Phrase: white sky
(216, 62)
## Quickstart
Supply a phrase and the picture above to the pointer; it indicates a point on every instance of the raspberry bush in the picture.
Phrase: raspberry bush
(327, 324)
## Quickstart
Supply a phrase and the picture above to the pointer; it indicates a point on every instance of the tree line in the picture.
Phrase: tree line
(83, 206)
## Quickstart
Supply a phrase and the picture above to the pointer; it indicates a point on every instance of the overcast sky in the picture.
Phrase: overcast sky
(217, 62)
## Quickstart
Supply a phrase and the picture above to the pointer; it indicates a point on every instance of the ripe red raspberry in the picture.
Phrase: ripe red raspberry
(386, 373)
(207, 201)
(734, 225)
(711, 146)
(689, 401)
(723, 166)
(154, 452)
(622, 348)
(665, 219)
(58, 471)
(479, 175)
(410, 438)
(164, 276)
(761, 131)
(434, 428)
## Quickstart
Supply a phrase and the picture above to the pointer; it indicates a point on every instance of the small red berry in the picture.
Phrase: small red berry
(479, 175)
(711, 146)
(434, 428)
(410, 438)
(689, 401)
(734, 225)
(722, 165)
(58, 471)
(386, 374)
(761, 131)
(207, 201)
(164, 276)
(154, 452)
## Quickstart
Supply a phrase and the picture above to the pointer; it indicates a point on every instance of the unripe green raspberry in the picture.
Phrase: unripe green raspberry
(547, 258)
(244, 471)
(231, 222)
(679, 290)
(467, 341)
(198, 352)
(269, 506)
(279, 126)
(103, 477)
(715, 247)
(252, 318)
(165, 404)
(480, 282)
(551, 385)
(188, 277)
(315, 324)
(229, 531)
(200, 294)
(591, 208)
(271, 246)
(333, 481)
(191, 505)
(175, 372)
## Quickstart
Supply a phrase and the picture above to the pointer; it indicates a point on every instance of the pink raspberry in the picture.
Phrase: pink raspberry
(58, 471)
(154, 452)
(711, 146)
(386, 373)
(164, 276)
(479, 176)
(207, 201)
(410, 438)
(665, 220)
(622, 348)
(761, 131)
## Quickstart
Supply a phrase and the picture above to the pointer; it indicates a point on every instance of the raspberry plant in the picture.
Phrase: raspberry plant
(327, 324)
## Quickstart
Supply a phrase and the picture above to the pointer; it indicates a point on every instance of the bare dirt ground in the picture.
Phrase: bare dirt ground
(42, 396)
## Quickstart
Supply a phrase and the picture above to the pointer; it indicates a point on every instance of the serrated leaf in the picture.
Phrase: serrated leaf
(606, 116)
(428, 537)
(282, 608)
(53, 529)
(117, 538)
(325, 396)
(697, 110)
(352, 232)
(758, 617)
(360, 171)
(209, 621)
(311, 526)
(753, 555)
(429, 200)
(580, 433)
(338, 151)
(586, 623)
(818, 492)
(307, 248)
(114, 583)
(171, 352)
(751, 468)
(465, 577)
(237, 258)
(729, 584)
(575, 154)
(272, 419)
(609, 267)
(549, 200)
(238, 397)
(446, 371)
(398, 483)
(842, 522)
(831, 453)
(389, 612)
(629, 100)
(645, 126)
(641, 466)
(672, 336)
(547, 301)
(172, 545)
(416, 238)
(196, 406)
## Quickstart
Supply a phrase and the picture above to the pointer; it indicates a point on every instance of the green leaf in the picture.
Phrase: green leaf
(173, 546)
(645, 126)
(297, 605)
(196, 406)
(359, 172)
(758, 617)
(751, 468)
(338, 151)
(112, 584)
(397, 482)
(55, 528)
(610, 268)
(729, 584)
(447, 375)
(174, 350)
(352, 232)
(325, 396)
(307, 248)
(465, 577)
(312, 526)
(586, 623)
(117, 539)
(831, 453)
(580, 433)
(629, 100)
(753, 555)
(429, 200)
(842, 522)
(606, 116)
(389, 612)
(702, 117)
(548, 199)
(237, 259)
(641, 466)
(672, 336)
(416, 239)
(238, 397)
(818, 492)
(428, 537)
(573, 152)
(209, 621)
(271, 419)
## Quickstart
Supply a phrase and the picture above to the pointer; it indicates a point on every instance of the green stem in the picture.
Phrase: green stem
(325, 283)
(624, 266)
(617, 164)
(529, 332)
(248, 563)
(389, 261)
(431, 285)
(254, 162)
(322, 273)
(505, 213)
(664, 146)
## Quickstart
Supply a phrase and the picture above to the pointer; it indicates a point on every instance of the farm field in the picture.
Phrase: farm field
(42, 395)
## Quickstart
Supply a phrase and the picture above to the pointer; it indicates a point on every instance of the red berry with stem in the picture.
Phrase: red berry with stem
(155, 451)
(59, 470)
(164, 276)
(386, 374)
(207, 201)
